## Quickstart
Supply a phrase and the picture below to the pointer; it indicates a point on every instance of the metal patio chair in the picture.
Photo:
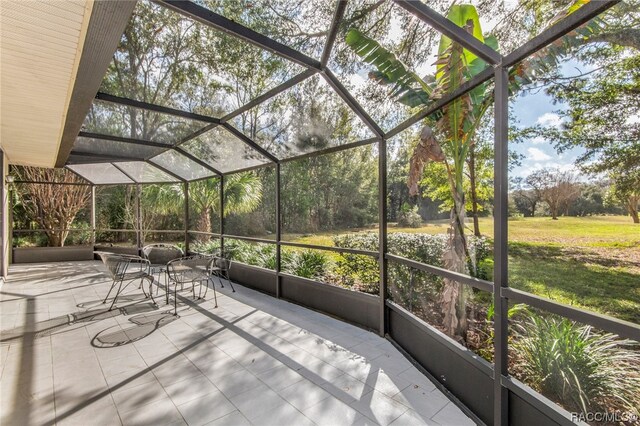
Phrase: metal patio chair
(190, 270)
(126, 268)
(159, 255)
(219, 267)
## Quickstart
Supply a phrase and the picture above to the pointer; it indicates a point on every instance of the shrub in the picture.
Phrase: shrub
(360, 272)
(205, 247)
(576, 366)
(409, 217)
(305, 263)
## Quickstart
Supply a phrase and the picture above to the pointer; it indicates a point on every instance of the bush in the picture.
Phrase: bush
(306, 263)
(576, 366)
(409, 217)
(360, 272)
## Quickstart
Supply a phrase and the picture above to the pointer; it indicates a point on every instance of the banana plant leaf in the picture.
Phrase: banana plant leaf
(407, 87)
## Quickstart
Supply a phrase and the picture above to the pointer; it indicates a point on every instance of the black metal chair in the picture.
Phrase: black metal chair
(159, 255)
(126, 268)
(190, 270)
(219, 267)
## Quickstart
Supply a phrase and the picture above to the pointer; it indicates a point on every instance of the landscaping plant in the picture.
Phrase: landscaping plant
(576, 366)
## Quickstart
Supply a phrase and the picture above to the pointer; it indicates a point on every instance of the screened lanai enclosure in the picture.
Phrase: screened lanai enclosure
(365, 160)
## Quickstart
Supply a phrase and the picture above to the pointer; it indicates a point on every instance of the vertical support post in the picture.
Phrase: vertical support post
(222, 216)
(93, 216)
(382, 233)
(186, 217)
(278, 234)
(138, 219)
(500, 232)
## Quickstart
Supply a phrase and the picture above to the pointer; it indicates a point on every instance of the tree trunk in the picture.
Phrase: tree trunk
(204, 221)
(632, 207)
(455, 259)
(474, 192)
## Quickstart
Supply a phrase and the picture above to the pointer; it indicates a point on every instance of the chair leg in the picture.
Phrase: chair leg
(141, 286)
(113, 284)
(167, 286)
(226, 273)
(151, 290)
(116, 296)
(175, 300)
(206, 288)
(215, 297)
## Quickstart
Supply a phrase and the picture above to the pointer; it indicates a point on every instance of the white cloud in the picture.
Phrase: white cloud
(549, 119)
(538, 140)
(535, 154)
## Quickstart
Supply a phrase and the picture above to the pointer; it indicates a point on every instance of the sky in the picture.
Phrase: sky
(537, 107)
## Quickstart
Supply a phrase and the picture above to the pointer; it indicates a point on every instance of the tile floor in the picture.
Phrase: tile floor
(253, 360)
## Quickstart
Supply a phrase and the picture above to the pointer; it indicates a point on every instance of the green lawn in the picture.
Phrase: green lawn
(591, 262)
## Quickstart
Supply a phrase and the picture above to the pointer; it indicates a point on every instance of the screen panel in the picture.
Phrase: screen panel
(224, 151)
(100, 173)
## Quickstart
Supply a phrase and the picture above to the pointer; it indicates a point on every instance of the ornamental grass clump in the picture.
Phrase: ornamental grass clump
(581, 369)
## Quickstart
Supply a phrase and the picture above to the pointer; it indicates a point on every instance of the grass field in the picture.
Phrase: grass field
(591, 262)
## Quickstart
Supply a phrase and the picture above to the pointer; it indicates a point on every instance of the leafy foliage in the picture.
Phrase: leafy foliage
(580, 368)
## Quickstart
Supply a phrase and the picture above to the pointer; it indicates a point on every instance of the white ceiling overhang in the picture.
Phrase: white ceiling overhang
(40, 49)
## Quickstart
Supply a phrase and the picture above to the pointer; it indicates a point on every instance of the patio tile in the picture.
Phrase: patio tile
(136, 396)
(232, 419)
(101, 412)
(416, 378)
(206, 408)
(113, 366)
(160, 412)
(379, 408)
(255, 359)
(331, 411)
(304, 394)
(347, 389)
(188, 389)
(237, 383)
(279, 377)
(411, 418)
(257, 402)
(452, 415)
(422, 401)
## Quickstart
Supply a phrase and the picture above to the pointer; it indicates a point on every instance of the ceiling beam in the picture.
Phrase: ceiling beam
(104, 157)
(123, 139)
(155, 108)
(561, 28)
(271, 93)
(333, 32)
(197, 160)
(167, 171)
(451, 30)
(219, 22)
(237, 133)
(480, 78)
(106, 26)
(352, 103)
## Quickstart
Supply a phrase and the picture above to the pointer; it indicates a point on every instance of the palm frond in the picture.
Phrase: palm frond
(407, 87)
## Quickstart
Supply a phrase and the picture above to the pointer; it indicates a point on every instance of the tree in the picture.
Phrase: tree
(601, 106)
(242, 194)
(446, 138)
(626, 192)
(53, 207)
(526, 201)
(556, 188)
